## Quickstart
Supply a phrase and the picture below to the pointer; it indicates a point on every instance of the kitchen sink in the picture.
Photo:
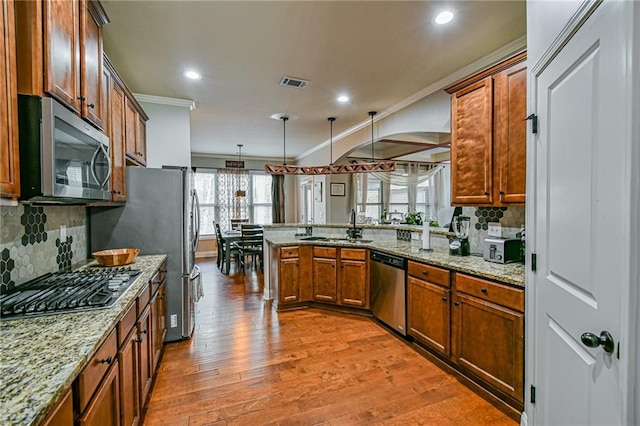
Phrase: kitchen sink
(336, 240)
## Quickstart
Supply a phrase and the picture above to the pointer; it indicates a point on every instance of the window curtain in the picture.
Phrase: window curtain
(408, 175)
(277, 198)
(228, 181)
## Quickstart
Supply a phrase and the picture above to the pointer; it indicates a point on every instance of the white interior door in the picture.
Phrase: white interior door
(582, 224)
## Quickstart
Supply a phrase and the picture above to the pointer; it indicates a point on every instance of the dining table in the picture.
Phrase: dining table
(228, 238)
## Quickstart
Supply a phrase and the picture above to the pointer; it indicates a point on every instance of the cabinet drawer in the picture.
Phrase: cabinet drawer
(289, 252)
(329, 252)
(353, 254)
(143, 298)
(493, 292)
(126, 323)
(95, 370)
(429, 273)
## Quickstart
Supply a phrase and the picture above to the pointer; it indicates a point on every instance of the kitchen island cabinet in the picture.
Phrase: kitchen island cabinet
(325, 279)
(46, 367)
(354, 277)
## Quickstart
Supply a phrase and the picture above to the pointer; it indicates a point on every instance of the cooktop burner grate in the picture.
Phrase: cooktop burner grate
(67, 292)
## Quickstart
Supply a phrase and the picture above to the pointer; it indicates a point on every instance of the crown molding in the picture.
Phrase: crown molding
(161, 100)
(494, 57)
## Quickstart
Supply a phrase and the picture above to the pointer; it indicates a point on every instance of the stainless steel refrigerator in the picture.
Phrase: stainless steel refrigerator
(161, 215)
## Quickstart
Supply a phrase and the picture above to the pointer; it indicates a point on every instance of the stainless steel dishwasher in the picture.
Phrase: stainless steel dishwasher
(388, 290)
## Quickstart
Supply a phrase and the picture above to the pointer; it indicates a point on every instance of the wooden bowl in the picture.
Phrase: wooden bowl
(116, 257)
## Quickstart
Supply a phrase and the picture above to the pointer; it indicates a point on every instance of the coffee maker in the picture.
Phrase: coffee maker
(459, 246)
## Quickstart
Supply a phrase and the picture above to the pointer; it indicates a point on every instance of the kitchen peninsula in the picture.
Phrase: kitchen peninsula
(462, 312)
(45, 358)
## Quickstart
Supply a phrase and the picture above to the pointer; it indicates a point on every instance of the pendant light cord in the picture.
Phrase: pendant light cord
(331, 120)
(372, 114)
(284, 139)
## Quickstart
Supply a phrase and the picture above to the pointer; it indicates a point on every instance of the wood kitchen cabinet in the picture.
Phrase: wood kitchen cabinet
(488, 136)
(488, 333)
(145, 355)
(114, 98)
(62, 413)
(325, 280)
(289, 288)
(104, 409)
(9, 156)
(135, 132)
(428, 306)
(354, 278)
(60, 53)
(128, 362)
(158, 309)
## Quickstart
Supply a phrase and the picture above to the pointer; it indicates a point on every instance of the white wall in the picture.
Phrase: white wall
(547, 24)
(168, 135)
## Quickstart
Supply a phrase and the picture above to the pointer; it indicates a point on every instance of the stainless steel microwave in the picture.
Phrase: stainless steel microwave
(63, 159)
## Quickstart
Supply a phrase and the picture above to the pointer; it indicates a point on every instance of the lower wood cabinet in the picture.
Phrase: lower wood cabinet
(325, 281)
(488, 333)
(129, 388)
(428, 314)
(145, 359)
(62, 414)
(104, 409)
(354, 278)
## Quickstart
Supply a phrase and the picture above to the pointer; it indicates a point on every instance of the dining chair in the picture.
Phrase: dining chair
(250, 244)
(222, 248)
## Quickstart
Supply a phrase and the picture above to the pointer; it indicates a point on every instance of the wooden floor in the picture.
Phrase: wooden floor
(248, 365)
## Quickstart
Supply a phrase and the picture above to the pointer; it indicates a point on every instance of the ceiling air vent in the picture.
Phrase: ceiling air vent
(293, 82)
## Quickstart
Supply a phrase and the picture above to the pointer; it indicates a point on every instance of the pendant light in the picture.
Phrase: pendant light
(240, 193)
(373, 166)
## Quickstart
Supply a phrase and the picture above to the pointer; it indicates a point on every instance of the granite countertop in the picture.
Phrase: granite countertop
(512, 273)
(40, 357)
(401, 227)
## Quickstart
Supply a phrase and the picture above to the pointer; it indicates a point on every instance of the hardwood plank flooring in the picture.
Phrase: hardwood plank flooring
(249, 365)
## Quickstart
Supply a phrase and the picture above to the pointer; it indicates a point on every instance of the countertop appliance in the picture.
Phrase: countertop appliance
(89, 289)
(388, 290)
(161, 215)
(502, 250)
(460, 245)
(63, 159)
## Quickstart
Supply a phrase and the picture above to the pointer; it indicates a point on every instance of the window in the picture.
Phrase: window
(373, 205)
(398, 198)
(214, 208)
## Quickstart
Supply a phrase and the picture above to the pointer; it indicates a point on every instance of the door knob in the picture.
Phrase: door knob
(605, 340)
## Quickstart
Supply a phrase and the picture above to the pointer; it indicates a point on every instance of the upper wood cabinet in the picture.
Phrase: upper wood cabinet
(114, 98)
(9, 156)
(488, 136)
(60, 53)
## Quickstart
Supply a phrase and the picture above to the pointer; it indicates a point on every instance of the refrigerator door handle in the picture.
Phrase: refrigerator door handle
(196, 214)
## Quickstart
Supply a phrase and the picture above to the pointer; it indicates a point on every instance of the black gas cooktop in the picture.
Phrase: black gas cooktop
(62, 292)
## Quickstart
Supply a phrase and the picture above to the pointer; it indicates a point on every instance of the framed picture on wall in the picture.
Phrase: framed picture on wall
(337, 189)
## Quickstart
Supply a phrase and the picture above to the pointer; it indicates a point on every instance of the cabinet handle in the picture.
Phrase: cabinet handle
(425, 272)
(456, 303)
(138, 340)
(107, 360)
(484, 290)
(81, 98)
(91, 105)
(486, 192)
(143, 331)
(501, 192)
(444, 299)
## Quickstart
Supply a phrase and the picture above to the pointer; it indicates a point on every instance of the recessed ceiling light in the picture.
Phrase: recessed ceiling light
(342, 98)
(444, 17)
(192, 75)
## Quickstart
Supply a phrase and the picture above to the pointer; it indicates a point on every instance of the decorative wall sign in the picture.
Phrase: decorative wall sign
(337, 189)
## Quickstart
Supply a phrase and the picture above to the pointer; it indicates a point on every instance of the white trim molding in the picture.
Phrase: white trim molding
(161, 100)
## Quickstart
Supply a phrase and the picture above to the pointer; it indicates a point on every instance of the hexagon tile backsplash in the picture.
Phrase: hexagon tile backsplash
(30, 243)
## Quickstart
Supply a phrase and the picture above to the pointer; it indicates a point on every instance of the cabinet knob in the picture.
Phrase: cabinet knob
(143, 331)
(91, 105)
(501, 192)
(425, 272)
(106, 360)
(484, 290)
(138, 340)
(81, 98)
(486, 192)
(456, 303)
(444, 299)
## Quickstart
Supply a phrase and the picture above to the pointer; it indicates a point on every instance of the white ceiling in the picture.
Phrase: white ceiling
(378, 52)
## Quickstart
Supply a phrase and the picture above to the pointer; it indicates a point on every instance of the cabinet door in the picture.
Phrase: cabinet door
(141, 140)
(428, 314)
(129, 393)
(117, 140)
(156, 313)
(9, 166)
(131, 131)
(471, 144)
(489, 343)
(91, 60)
(325, 286)
(104, 409)
(62, 414)
(510, 138)
(354, 290)
(289, 280)
(62, 51)
(145, 354)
